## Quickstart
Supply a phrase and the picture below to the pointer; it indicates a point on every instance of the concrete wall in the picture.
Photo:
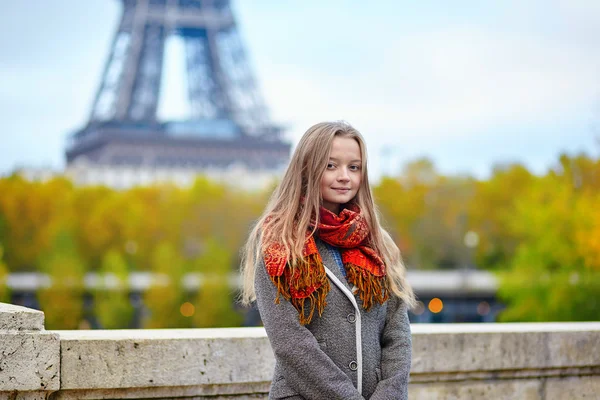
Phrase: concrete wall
(450, 361)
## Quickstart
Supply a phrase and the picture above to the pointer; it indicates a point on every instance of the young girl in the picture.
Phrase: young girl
(328, 279)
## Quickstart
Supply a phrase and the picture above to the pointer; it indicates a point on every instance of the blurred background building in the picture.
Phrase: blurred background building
(228, 136)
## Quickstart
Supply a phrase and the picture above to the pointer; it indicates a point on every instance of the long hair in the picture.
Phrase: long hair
(295, 204)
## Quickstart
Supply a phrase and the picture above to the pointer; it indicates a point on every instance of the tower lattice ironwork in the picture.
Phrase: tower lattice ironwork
(228, 122)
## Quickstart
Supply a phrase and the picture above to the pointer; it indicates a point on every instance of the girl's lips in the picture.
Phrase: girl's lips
(341, 190)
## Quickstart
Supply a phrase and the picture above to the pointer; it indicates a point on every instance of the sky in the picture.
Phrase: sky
(469, 84)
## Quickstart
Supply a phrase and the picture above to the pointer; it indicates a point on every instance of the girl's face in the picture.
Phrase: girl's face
(342, 177)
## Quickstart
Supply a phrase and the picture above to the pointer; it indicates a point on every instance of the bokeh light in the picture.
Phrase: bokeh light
(436, 305)
(187, 309)
(419, 308)
(483, 308)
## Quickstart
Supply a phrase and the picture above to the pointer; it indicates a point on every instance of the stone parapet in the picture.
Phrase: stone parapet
(29, 355)
(544, 361)
(17, 318)
(164, 363)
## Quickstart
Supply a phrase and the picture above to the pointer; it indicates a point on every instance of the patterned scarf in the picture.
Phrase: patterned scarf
(306, 284)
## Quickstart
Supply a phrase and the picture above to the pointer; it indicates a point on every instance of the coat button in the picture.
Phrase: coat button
(353, 365)
(351, 318)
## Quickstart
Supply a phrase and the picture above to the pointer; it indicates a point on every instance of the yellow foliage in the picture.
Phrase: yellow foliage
(112, 307)
(528, 227)
(4, 290)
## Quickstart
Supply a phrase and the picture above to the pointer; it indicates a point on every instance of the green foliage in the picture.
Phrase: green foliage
(491, 213)
(4, 289)
(161, 229)
(215, 298)
(427, 215)
(559, 296)
(62, 301)
(32, 214)
(553, 274)
(166, 295)
(541, 234)
(111, 298)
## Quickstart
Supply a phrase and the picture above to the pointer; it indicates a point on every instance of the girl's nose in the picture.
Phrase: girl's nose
(343, 175)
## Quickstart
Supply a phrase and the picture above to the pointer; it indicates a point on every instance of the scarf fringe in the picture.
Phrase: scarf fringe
(371, 288)
(304, 282)
(308, 289)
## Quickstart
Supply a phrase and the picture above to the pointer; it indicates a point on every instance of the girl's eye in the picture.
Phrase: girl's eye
(330, 166)
(354, 168)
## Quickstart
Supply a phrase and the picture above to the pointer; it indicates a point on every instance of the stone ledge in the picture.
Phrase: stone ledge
(450, 361)
(504, 375)
(461, 348)
(520, 327)
(513, 359)
(29, 361)
(212, 392)
(569, 388)
(23, 395)
(17, 318)
(204, 361)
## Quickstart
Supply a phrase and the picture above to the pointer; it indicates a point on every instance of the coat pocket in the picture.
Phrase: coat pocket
(281, 390)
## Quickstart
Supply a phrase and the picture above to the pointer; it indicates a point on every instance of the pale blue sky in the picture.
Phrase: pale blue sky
(467, 83)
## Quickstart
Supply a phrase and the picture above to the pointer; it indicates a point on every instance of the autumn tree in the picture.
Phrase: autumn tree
(163, 299)
(491, 210)
(554, 274)
(112, 307)
(62, 299)
(539, 233)
(215, 299)
(426, 213)
(4, 289)
(32, 213)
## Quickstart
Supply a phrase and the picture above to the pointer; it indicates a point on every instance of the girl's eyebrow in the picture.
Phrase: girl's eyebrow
(336, 159)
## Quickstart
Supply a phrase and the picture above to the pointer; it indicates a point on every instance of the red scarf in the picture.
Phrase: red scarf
(306, 284)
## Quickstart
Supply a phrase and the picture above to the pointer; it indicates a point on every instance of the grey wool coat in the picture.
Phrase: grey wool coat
(347, 353)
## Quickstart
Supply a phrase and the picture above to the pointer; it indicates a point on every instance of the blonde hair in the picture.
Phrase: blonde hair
(296, 202)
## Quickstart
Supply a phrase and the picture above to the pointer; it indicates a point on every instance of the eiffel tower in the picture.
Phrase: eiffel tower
(124, 143)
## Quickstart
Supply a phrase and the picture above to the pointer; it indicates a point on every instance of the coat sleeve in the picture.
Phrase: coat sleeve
(306, 368)
(396, 353)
